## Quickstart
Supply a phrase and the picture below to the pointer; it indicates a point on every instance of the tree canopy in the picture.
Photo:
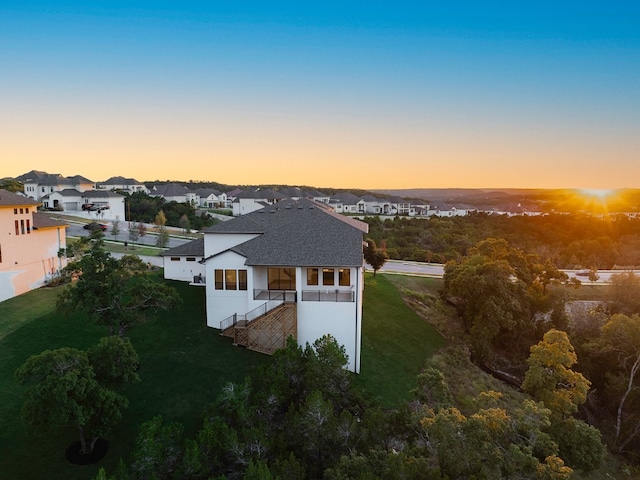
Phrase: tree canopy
(115, 293)
(502, 297)
(72, 387)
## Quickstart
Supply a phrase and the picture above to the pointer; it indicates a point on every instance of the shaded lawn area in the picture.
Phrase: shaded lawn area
(396, 342)
(184, 364)
(20, 310)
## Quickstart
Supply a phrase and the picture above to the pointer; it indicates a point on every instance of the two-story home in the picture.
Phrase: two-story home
(251, 200)
(211, 198)
(38, 184)
(30, 243)
(292, 268)
(129, 185)
(174, 192)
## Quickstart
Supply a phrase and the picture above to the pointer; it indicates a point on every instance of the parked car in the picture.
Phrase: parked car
(95, 226)
(87, 206)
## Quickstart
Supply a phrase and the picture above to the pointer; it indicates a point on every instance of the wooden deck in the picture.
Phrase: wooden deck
(267, 333)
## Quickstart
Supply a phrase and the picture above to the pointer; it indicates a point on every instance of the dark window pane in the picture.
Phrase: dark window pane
(219, 279)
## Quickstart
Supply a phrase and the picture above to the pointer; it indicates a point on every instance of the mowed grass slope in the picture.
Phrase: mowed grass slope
(183, 366)
(396, 342)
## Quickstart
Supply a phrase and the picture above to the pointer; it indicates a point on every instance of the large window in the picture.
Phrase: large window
(230, 279)
(327, 276)
(344, 277)
(230, 282)
(312, 276)
(282, 278)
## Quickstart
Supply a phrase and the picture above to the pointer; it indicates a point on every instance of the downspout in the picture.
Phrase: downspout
(358, 319)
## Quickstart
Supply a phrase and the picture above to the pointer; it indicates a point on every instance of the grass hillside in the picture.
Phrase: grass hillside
(183, 366)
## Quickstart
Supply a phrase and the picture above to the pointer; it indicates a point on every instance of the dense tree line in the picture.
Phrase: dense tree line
(144, 208)
(301, 418)
(507, 300)
(568, 241)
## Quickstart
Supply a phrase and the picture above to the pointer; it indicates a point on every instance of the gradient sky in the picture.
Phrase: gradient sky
(326, 94)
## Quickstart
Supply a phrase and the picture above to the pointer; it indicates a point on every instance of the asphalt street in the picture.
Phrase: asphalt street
(436, 270)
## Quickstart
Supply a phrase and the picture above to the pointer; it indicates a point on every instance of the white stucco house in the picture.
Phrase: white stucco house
(174, 192)
(292, 268)
(130, 185)
(211, 198)
(94, 204)
(251, 200)
(29, 245)
(38, 184)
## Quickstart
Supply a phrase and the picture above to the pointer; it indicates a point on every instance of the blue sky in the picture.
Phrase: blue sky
(344, 94)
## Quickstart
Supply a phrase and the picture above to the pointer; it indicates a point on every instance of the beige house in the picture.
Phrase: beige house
(29, 245)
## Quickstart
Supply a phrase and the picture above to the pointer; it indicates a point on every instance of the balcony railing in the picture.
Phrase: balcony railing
(328, 296)
(255, 313)
(286, 295)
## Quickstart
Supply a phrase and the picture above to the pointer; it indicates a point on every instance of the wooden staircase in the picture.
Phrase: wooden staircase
(268, 332)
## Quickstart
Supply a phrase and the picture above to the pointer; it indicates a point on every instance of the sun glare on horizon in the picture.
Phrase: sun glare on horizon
(599, 199)
(600, 193)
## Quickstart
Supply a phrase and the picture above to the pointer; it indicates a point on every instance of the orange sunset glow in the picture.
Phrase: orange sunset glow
(349, 98)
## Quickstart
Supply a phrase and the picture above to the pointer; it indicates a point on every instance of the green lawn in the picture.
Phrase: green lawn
(183, 366)
(395, 343)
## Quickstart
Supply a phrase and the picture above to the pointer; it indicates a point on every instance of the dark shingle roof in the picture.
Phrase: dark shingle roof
(194, 248)
(171, 190)
(297, 232)
(346, 198)
(67, 192)
(120, 181)
(205, 192)
(32, 175)
(260, 193)
(10, 199)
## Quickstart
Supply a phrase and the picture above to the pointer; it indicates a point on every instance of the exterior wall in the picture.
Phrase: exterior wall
(246, 205)
(116, 208)
(224, 303)
(66, 202)
(342, 320)
(28, 259)
(316, 319)
(214, 244)
(31, 190)
(182, 269)
(127, 188)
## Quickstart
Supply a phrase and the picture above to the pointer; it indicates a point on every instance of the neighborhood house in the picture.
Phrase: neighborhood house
(30, 243)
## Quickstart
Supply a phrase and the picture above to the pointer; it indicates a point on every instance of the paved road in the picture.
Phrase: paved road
(437, 270)
(77, 230)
